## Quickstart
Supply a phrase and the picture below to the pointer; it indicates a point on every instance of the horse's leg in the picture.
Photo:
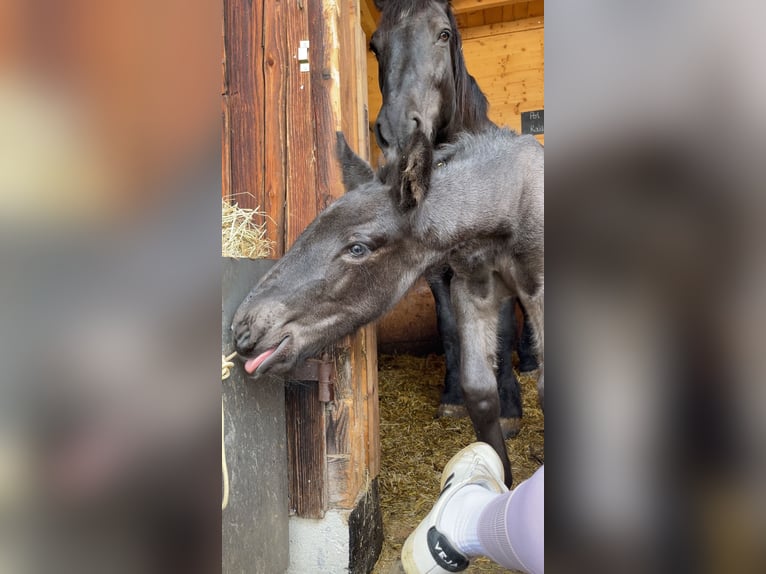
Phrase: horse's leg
(534, 304)
(451, 401)
(477, 311)
(526, 347)
(507, 383)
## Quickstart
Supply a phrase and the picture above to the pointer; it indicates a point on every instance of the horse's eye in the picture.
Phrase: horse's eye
(358, 250)
(444, 35)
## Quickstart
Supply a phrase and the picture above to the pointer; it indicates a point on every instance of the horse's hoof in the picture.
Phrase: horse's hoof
(452, 411)
(510, 427)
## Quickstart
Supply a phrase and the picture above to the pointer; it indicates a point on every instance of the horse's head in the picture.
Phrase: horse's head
(422, 75)
(350, 265)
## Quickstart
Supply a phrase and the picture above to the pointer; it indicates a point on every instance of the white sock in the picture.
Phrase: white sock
(459, 520)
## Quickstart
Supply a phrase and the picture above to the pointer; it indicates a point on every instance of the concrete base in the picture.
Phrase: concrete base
(319, 545)
(342, 541)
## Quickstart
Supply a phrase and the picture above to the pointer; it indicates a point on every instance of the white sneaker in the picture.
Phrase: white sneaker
(428, 551)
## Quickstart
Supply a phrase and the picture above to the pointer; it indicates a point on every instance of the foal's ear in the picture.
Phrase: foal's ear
(415, 170)
(356, 171)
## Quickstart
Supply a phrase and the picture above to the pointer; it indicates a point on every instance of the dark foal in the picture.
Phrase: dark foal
(477, 205)
(425, 86)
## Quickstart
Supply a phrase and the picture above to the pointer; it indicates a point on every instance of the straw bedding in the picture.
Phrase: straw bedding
(415, 447)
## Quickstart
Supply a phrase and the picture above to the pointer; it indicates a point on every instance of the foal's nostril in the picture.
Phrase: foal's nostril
(242, 343)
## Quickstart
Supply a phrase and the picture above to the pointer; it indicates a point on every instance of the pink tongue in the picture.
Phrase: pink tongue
(253, 364)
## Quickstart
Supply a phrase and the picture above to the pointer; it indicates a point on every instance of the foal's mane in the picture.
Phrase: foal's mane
(471, 104)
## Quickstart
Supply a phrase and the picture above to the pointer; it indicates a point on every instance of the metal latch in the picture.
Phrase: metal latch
(320, 370)
(303, 55)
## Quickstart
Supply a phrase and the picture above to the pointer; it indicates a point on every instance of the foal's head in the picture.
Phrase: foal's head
(422, 75)
(350, 265)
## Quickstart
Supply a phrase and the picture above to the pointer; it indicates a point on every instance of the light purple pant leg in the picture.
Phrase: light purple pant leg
(512, 527)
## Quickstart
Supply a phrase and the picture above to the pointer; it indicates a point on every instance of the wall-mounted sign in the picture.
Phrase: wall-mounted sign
(533, 122)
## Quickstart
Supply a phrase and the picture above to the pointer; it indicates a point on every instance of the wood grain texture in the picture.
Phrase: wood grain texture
(327, 91)
(225, 147)
(349, 111)
(492, 15)
(509, 67)
(243, 101)
(305, 454)
(536, 8)
(533, 23)
(347, 424)
(275, 65)
(461, 6)
(360, 76)
(301, 203)
(370, 352)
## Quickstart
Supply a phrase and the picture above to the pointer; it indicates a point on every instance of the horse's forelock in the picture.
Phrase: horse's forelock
(392, 11)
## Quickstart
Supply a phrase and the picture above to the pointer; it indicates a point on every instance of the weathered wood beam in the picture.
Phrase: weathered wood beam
(370, 14)
(503, 28)
(462, 6)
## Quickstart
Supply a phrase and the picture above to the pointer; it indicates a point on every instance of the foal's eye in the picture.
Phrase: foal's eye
(358, 250)
(444, 35)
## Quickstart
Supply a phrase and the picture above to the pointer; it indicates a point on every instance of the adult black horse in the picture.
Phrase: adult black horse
(425, 85)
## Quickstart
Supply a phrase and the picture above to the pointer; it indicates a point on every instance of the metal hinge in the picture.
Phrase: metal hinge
(320, 370)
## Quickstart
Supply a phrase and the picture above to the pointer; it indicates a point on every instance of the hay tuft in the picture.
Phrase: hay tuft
(241, 235)
(415, 446)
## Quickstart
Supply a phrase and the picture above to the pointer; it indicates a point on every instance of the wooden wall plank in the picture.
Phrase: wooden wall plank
(370, 352)
(520, 11)
(355, 408)
(536, 8)
(348, 423)
(462, 6)
(225, 148)
(301, 203)
(533, 23)
(305, 413)
(305, 454)
(471, 19)
(243, 98)
(275, 60)
(348, 104)
(360, 76)
(510, 70)
(326, 106)
(492, 15)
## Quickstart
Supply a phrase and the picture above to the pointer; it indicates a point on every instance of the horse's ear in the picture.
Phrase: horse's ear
(415, 170)
(355, 170)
